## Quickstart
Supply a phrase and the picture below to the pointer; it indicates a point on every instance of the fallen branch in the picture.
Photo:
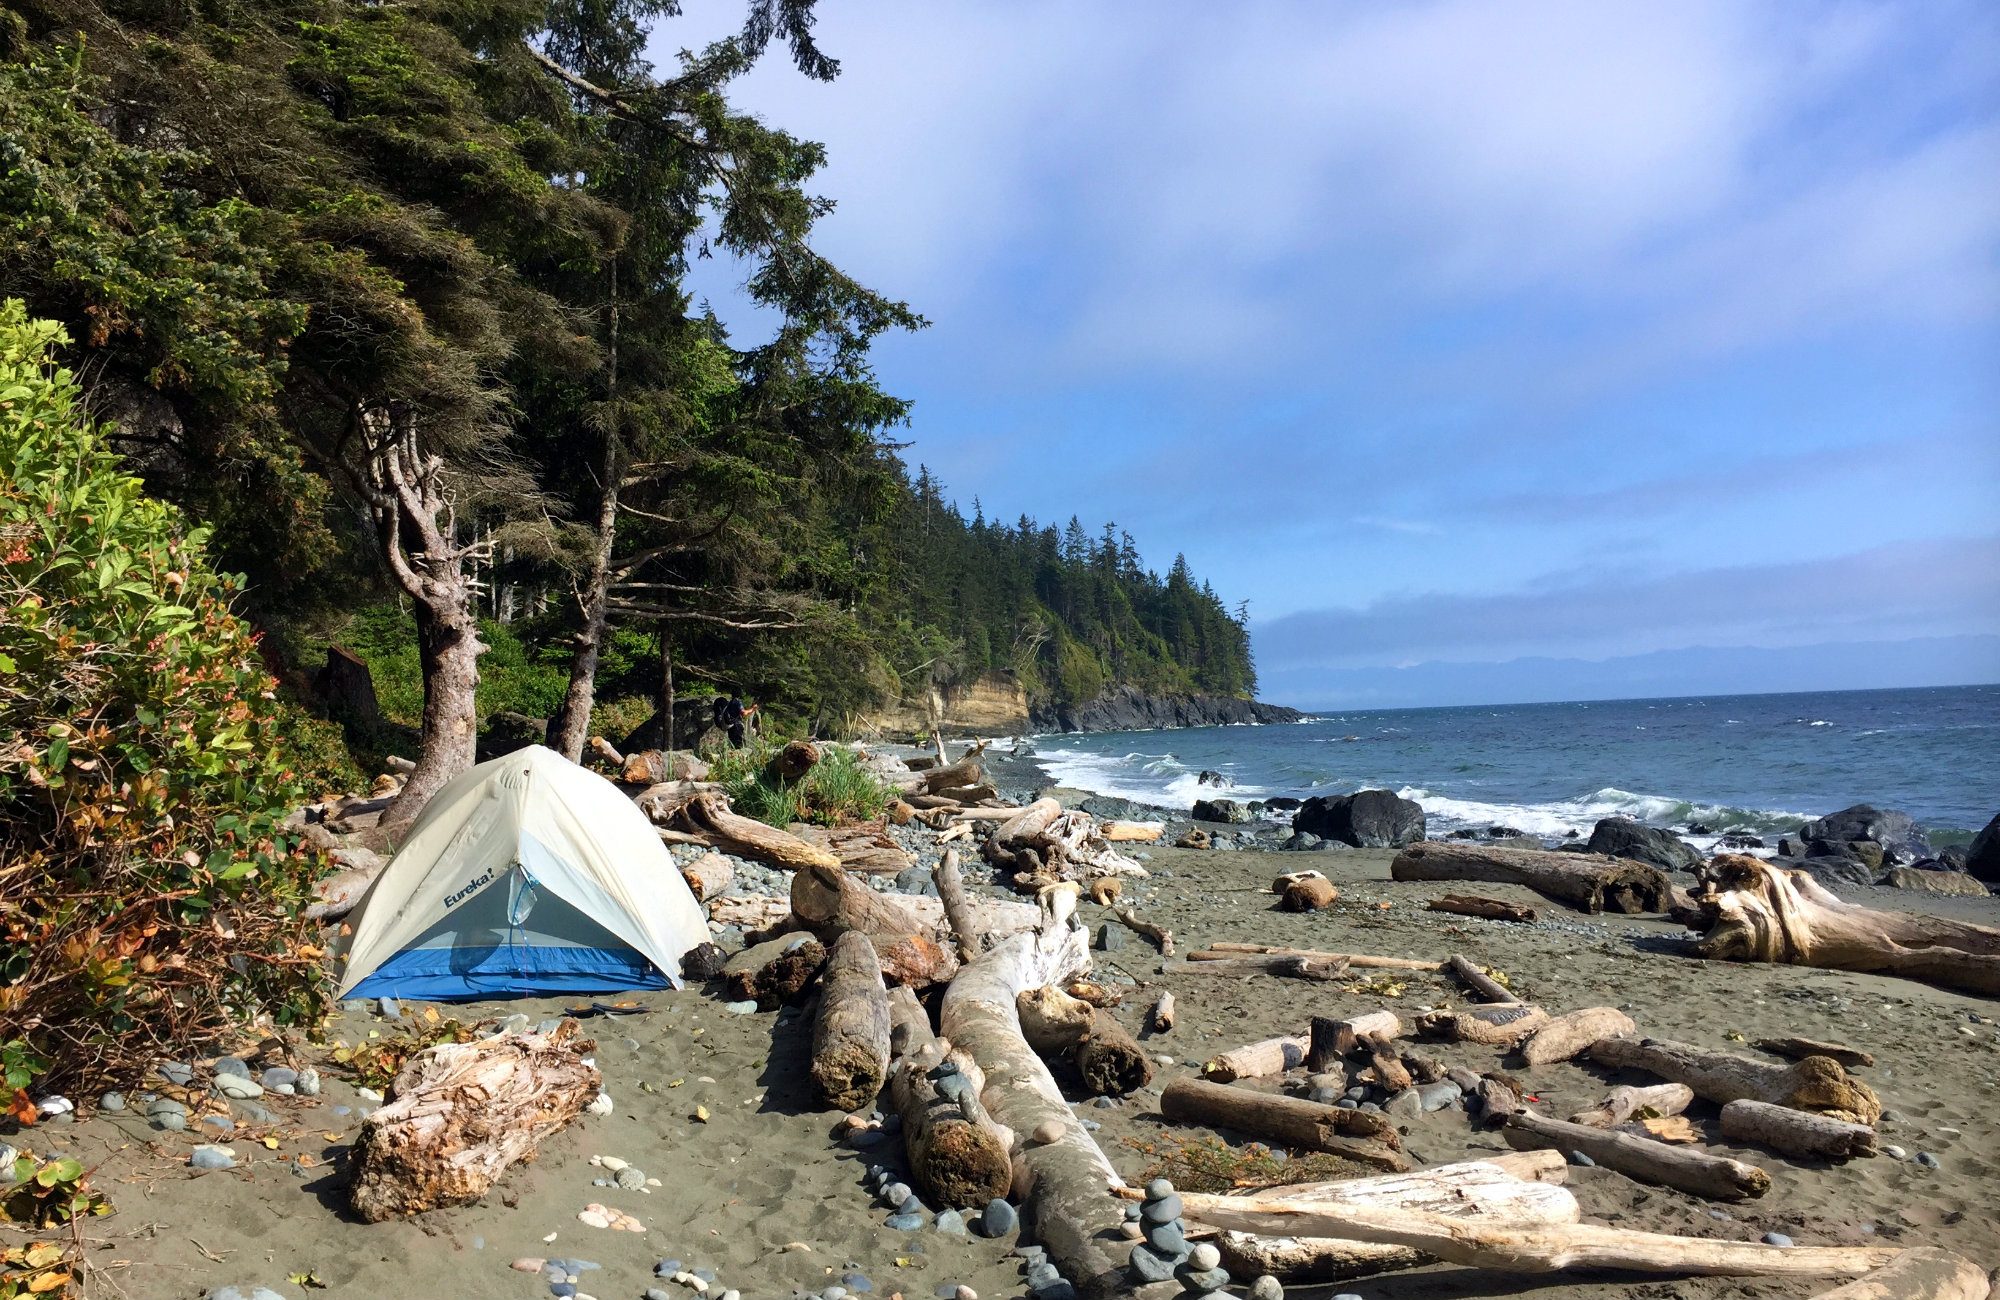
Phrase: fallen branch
(1162, 937)
(1269, 1056)
(1279, 964)
(1488, 988)
(1161, 1018)
(1220, 951)
(710, 814)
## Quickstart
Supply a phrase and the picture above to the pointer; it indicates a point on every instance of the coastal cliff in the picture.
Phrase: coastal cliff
(1127, 708)
(995, 704)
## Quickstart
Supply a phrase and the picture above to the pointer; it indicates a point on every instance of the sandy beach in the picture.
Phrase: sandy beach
(763, 1194)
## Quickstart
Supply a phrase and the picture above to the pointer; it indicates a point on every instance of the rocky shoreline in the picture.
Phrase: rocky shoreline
(1127, 708)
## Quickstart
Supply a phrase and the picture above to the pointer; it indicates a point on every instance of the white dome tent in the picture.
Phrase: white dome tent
(526, 876)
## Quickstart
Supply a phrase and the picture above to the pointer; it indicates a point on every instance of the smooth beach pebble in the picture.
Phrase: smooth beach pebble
(1204, 1257)
(209, 1156)
(1049, 1130)
(1267, 1287)
(1159, 1188)
(1927, 1160)
(1776, 1239)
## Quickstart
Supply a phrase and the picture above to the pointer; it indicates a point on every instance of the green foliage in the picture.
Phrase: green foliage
(836, 791)
(48, 1193)
(151, 895)
(43, 1269)
(515, 675)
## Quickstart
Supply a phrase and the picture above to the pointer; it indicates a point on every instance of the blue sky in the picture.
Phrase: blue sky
(1453, 332)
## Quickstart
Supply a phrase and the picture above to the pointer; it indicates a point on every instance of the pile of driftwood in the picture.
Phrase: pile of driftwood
(1509, 1213)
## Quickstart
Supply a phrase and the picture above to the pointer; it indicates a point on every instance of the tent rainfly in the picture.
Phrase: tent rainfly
(525, 876)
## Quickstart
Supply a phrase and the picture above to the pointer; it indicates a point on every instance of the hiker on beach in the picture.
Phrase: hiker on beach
(731, 715)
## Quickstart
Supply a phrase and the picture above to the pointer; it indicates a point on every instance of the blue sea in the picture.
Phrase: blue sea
(1759, 763)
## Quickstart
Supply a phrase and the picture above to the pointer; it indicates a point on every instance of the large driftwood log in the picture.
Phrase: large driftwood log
(708, 875)
(1536, 1248)
(1796, 1132)
(753, 913)
(958, 1155)
(1924, 1273)
(910, 947)
(1623, 1103)
(1110, 1060)
(462, 1113)
(1364, 1137)
(1592, 882)
(1756, 912)
(850, 1044)
(1052, 1021)
(709, 814)
(1043, 842)
(1517, 1187)
(1573, 1032)
(958, 912)
(1685, 1168)
(1132, 832)
(1815, 1084)
(1065, 1184)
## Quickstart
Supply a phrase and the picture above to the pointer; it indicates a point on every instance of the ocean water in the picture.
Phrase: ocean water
(1759, 763)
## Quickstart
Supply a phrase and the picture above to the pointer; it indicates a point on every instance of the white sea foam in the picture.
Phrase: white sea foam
(1158, 779)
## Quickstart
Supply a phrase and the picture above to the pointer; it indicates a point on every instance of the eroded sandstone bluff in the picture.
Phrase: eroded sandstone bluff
(1126, 708)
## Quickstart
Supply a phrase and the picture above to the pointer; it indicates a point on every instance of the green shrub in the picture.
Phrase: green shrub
(150, 897)
(837, 790)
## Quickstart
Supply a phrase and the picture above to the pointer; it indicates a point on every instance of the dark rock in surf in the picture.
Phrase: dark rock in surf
(1221, 810)
(1893, 830)
(1366, 819)
(1282, 803)
(1209, 776)
(1621, 837)
(1982, 859)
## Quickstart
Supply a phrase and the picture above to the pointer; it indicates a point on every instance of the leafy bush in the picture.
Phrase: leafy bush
(151, 897)
(837, 790)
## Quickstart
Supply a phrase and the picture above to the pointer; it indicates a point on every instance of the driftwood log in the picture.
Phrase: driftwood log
(958, 1155)
(1162, 938)
(1498, 1025)
(765, 914)
(1052, 1021)
(1110, 1060)
(1161, 1018)
(708, 875)
(1573, 1032)
(1817, 1084)
(1924, 1273)
(1756, 912)
(462, 1113)
(1255, 1060)
(1696, 1172)
(1042, 843)
(1066, 1184)
(338, 894)
(1515, 1187)
(1491, 909)
(1534, 1248)
(775, 974)
(1118, 832)
(789, 765)
(1798, 1049)
(1660, 1099)
(1364, 1137)
(709, 814)
(1591, 882)
(1796, 1132)
(850, 1043)
(911, 948)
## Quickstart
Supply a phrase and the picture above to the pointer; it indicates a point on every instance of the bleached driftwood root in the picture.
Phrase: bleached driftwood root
(463, 1113)
(1756, 912)
(1043, 844)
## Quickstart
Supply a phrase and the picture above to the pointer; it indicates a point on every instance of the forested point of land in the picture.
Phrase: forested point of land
(393, 301)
